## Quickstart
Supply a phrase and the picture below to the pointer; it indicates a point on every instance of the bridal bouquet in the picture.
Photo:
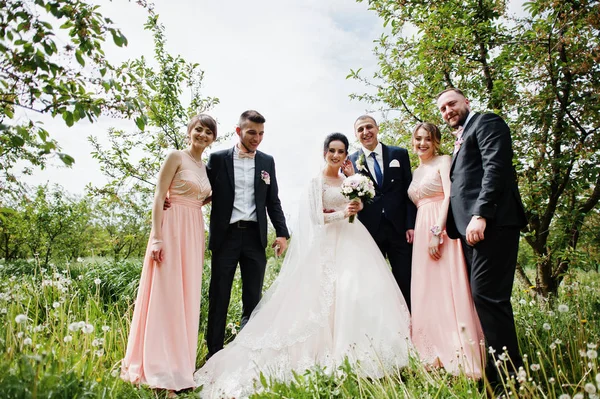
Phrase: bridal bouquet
(358, 187)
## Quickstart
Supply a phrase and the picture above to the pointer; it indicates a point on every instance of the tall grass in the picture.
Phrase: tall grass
(63, 331)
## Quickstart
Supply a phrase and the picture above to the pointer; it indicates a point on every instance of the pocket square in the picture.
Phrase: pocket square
(394, 163)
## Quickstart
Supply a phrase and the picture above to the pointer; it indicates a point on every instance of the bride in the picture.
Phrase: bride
(335, 298)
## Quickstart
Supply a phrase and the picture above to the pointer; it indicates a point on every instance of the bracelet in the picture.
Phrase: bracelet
(436, 230)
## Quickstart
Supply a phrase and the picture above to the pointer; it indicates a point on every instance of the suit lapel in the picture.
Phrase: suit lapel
(257, 170)
(229, 166)
(385, 154)
(366, 171)
(465, 134)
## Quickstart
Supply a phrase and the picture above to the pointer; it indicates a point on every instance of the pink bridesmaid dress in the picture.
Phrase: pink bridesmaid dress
(161, 350)
(446, 331)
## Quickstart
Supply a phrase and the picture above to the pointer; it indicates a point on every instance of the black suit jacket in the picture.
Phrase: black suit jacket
(483, 178)
(391, 200)
(220, 174)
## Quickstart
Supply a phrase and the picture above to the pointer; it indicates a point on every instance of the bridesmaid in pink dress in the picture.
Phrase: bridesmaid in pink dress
(445, 328)
(161, 350)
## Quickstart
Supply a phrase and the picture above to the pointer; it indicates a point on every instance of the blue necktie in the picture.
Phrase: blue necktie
(378, 174)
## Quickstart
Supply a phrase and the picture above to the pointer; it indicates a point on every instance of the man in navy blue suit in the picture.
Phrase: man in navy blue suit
(390, 217)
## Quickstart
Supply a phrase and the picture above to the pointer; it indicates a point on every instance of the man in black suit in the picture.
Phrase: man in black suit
(390, 217)
(486, 213)
(244, 190)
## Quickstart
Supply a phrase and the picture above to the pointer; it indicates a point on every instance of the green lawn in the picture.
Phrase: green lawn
(63, 332)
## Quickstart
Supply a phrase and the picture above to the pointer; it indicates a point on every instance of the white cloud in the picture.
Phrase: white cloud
(286, 59)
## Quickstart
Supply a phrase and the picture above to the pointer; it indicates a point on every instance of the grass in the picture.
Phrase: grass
(63, 332)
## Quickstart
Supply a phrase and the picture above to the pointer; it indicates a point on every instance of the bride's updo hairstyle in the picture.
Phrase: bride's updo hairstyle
(434, 133)
(335, 137)
(205, 120)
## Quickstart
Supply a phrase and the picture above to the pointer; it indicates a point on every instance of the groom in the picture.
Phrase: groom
(486, 213)
(244, 190)
(390, 217)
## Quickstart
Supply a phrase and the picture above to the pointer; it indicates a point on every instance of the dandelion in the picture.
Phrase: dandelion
(68, 338)
(503, 357)
(56, 305)
(563, 308)
(97, 281)
(95, 343)
(551, 313)
(80, 277)
(74, 327)
(546, 326)
(79, 260)
(38, 328)
(551, 380)
(105, 328)
(578, 396)
(522, 302)
(4, 311)
(592, 346)
(114, 373)
(21, 318)
(582, 353)
(20, 334)
(558, 342)
(99, 352)
(598, 378)
(592, 354)
(589, 388)
(491, 350)
(583, 321)
(534, 367)
(564, 396)
(27, 341)
(87, 329)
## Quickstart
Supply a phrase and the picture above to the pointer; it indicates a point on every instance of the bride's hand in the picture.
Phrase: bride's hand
(158, 253)
(434, 247)
(354, 207)
(347, 168)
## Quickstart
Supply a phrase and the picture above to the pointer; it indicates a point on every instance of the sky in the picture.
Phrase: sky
(287, 59)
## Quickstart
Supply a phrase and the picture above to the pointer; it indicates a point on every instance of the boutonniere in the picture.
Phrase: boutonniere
(264, 175)
(360, 163)
(457, 143)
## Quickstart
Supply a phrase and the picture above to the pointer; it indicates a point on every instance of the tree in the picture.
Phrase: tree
(540, 72)
(56, 71)
(133, 159)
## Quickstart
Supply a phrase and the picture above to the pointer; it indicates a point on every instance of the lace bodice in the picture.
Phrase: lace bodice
(425, 186)
(333, 199)
(191, 181)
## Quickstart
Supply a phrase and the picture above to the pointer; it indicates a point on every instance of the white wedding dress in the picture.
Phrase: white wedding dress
(334, 298)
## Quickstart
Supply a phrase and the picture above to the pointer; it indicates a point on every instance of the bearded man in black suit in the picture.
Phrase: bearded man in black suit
(486, 213)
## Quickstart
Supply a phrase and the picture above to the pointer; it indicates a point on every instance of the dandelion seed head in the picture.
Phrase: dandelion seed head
(87, 329)
(491, 350)
(20, 334)
(97, 281)
(4, 311)
(68, 338)
(546, 326)
(592, 354)
(27, 341)
(589, 388)
(56, 305)
(592, 346)
(522, 302)
(21, 318)
(105, 328)
(558, 341)
(564, 396)
(578, 395)
(563, 308)
(534, 367)
(503, 357)
(552, 346)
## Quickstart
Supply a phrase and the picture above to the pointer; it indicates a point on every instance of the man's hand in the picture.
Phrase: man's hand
(410, 236)
(167, 204)
(280, 245)
(325, 210)
(475, 230)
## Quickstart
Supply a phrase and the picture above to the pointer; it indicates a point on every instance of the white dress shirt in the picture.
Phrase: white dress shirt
(379, 155)
(244, 202)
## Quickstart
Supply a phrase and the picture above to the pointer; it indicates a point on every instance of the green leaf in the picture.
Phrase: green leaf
(140, 122)
(68, 118)
(66, 158)
(79, 57)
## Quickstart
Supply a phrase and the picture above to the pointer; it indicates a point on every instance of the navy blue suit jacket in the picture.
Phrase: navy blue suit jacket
(391, 199)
